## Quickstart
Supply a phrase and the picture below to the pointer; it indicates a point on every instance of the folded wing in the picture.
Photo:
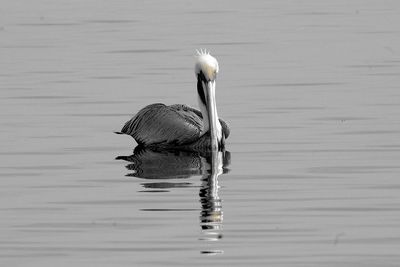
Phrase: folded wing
(161, 124)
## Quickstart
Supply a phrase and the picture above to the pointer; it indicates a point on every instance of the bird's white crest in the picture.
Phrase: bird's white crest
(207, 64)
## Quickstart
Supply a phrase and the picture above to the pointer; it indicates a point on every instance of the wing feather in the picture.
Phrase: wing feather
(161, 124)
(225, 127)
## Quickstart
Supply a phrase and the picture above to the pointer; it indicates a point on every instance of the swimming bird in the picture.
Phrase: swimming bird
(179, 126)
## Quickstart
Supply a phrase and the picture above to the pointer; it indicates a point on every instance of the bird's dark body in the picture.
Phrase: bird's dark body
(171, 127)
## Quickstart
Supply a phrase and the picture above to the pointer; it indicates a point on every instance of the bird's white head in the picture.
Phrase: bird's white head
(206, 64)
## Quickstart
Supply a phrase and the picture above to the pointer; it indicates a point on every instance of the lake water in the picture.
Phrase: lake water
(310, 90)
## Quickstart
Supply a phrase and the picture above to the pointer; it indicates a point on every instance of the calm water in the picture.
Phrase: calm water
(311, 92)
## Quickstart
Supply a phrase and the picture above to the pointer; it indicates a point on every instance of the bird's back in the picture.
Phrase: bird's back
(158, 124)
(173, 127)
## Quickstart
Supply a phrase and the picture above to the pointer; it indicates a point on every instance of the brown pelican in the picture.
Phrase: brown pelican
(179, 126)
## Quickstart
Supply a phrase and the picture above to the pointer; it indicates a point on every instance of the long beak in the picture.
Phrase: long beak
(212, 113)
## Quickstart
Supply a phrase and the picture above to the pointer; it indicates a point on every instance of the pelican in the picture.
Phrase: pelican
(179, 126)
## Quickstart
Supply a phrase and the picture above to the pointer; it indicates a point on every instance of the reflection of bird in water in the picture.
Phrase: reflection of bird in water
(170, 164)
(151, 164)
(211, 205)
(163, 165)
(211, 208)
(179, 126)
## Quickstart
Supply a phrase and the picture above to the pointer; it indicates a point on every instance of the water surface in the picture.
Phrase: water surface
(309, 88)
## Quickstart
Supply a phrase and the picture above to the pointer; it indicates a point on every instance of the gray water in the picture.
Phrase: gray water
(310, 90)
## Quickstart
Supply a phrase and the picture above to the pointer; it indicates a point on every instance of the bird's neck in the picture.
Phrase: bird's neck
(206, 120)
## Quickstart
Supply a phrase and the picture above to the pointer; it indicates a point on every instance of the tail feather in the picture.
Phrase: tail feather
(122, 158)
